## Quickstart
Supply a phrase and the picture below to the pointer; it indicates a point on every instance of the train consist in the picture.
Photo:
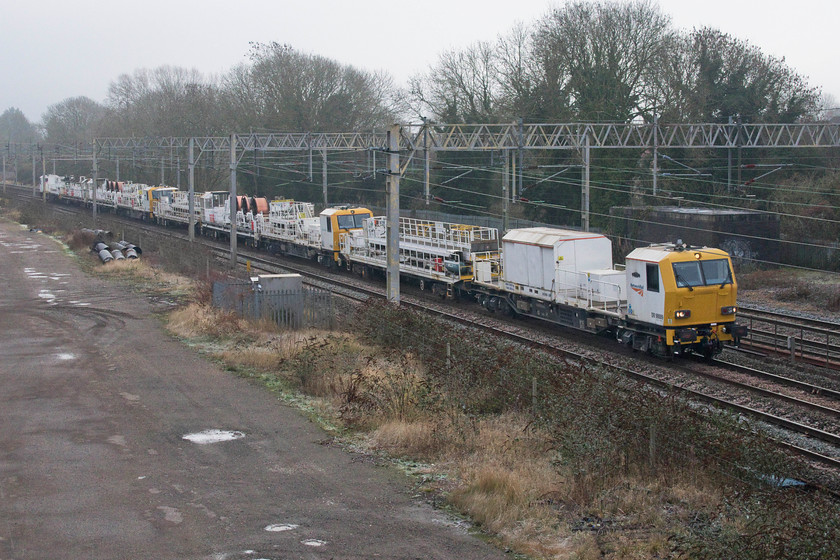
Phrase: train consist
(667, 299)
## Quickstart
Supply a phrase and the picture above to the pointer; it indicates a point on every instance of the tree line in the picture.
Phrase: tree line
(584, 61)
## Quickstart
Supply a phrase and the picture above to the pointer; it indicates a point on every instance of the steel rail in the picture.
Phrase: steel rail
(806, 387)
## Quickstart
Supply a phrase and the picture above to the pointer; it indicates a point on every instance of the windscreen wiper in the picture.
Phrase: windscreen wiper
(680, 278)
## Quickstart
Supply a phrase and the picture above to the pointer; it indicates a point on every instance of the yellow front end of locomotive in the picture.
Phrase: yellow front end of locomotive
(700, 295)
(682, 296)
(337, 222)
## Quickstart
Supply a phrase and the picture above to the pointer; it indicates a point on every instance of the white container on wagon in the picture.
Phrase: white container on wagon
(561, 266)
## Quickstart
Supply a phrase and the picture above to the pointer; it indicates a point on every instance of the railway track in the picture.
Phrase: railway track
(805, 339)
(360, 291)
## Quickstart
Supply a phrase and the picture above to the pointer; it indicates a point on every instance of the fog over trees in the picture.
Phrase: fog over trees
(583, 61)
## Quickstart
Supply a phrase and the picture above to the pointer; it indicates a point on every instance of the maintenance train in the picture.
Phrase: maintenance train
(667, 299)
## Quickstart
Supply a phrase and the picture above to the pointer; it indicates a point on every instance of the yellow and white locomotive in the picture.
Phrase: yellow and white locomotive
(681, 299)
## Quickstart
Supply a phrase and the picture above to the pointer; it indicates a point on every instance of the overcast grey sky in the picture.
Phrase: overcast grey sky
(54, 49)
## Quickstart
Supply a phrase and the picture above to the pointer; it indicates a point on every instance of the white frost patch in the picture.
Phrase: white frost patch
(117, 440)
(66, 356)
(313, 542)
(47, 295)
(171, 514)
(213, 436)
(280, 527)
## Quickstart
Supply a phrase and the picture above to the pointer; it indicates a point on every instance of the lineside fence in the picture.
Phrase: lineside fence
(290, 309)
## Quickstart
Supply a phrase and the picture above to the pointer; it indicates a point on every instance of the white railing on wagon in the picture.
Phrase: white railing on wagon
(454, 237)
(431, 262)
(578, 288)
(426, 233)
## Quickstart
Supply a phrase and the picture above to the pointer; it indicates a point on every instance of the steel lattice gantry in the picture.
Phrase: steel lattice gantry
(470, 137)
(479, 137)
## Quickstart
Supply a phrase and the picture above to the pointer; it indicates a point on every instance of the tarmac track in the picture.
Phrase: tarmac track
(95, 401)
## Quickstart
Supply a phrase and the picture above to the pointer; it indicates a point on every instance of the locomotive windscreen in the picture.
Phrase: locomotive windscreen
(702, 273)
(350, 221)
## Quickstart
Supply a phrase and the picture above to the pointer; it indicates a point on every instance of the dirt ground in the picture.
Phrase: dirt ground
(107, 449)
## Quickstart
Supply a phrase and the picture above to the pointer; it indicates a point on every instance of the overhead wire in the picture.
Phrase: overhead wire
(708, 192)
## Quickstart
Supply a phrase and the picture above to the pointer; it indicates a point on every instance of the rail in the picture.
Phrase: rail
(817, 342)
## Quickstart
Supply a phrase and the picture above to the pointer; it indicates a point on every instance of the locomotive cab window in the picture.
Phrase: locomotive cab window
(652, 277)
(702, 273)
(716, 272)
(349, 221)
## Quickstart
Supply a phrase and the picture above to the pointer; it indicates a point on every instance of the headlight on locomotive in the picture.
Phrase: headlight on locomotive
(729, 310)
(682, 314)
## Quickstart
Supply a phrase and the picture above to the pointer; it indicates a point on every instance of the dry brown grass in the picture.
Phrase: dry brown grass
(419, 439)
(511, 488)
(141, 271)
(502, 474)
(200, 320)
(498, 472)
(13, 214)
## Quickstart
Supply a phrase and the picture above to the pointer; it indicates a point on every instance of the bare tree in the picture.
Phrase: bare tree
(283, 89)
(461, 87)
(15, 128)
(829, 108)
(72, 121)
(517, 76)
(600, 57)
(166, 101)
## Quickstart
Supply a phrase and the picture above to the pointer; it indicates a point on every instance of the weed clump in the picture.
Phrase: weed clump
(79, 240)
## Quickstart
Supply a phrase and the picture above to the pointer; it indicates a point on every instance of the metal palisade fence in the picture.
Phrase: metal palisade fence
(306, 307)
